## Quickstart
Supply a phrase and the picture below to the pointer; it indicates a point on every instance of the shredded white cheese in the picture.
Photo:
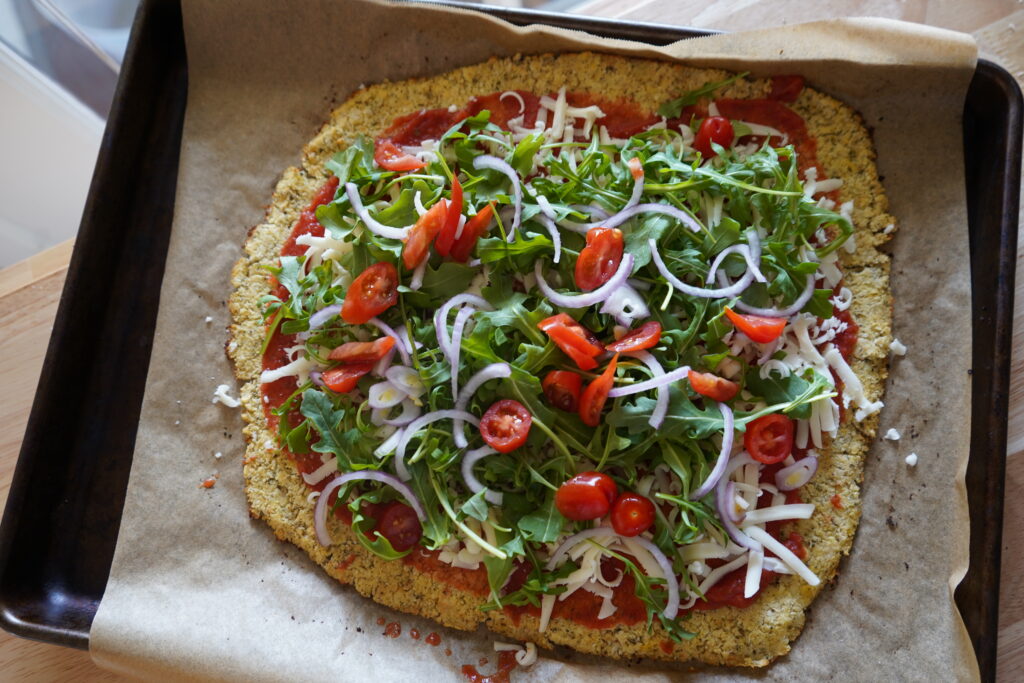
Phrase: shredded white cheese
(911, 459)
(892, 435)
(897, 348)
(221, 396)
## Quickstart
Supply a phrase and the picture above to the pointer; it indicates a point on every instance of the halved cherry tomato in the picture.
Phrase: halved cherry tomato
(596, 394)
(505, 425)
(374, 291)
(769, 439)
(399, 524)
(562, 389)
(632, 514)
(644, 337)
(576, 341)
(717, 129)
(599, 259)
(390, 157)
(417, 244)
(344, 378)
(362, 352)
(588, 495)
(471, 232)
(446, 238)
(713, 386)
(757, 327)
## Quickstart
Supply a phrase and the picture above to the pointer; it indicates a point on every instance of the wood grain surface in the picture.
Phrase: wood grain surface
(29, 292)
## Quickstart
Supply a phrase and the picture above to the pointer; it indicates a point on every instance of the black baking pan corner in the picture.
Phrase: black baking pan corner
(64, 508)
(60, 526)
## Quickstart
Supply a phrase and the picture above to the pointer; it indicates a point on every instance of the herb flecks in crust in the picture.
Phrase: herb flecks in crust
(749, 636)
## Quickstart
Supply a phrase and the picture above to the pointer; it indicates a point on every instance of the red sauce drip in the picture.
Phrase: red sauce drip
(667, 646)
(414, 634)
(482, 662)
(346, 563)
(506, 663)
(381, 621)
(837, 502)
(447, 652)
(432, 639)
(393, 630)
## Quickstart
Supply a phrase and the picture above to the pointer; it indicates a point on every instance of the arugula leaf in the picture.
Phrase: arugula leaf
(544, 525)
(673, 108)
(791, 389)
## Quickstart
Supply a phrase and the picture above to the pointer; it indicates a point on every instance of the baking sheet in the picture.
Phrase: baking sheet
(198, 590)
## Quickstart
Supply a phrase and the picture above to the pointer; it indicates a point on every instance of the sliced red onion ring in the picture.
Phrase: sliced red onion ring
(723, 456)
(385, 395)
(317, 378)
(500, 165)
(418, 424)
(730, 506)
(400, 343)
(488, 372)
(470, 459)
(671, 583)
(461, 319)
(634, 199)
(406, 379)
(320, 511)
(721, 500)
(797, 474)
(590, 298)
(794, 307)
(381, 368)
(323, 315)
(661, 402)
(417, 276)
(389, 444)
(721, 293)
(744, 251)
(444, 342)
(410, 411)
(626, 305)
(621, 217)
(556, 237)
(665, 379)
(372, 225)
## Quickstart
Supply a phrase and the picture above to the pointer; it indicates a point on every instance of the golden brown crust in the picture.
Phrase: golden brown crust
(753, 636)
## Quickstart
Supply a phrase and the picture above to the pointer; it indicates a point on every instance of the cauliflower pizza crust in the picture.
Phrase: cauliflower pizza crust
(752, 636)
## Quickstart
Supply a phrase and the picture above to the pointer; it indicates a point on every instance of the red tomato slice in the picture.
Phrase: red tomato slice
(646, 336)
(599, 259)
(417, 244)
(370, 294)
(588, 495)
(505, 425)
(362, 352)
(399, 524)
(390, 157)
(757, 327)
(596, 394)
(769, 439)
(632, 514)
(717, 129)
(344, 378)
(471, 232)
(562, 389)
(713, 386)
(446, 238)
(576, 341)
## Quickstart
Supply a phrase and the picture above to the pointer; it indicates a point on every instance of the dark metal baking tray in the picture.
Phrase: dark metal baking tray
(60, 525)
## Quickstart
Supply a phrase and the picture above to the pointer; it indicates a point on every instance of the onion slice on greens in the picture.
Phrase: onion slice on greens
(590, 298)
(723, 456)
(556, 237)
(468, 460)
(320, 512)
(323, 315)
(463, 316)
(738, 537)
(796, 475)
(721, 293)
(621, 217)
(663, 380)
(794, 307)
(418, 424)
(661, 401)
(441, 317)
(501, 166)
(371, 224)
(625, 297)
(410, 411)
(489, 372)
(671, 583)
(634, 198)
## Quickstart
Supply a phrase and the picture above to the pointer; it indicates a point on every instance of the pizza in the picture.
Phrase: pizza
(586, 349)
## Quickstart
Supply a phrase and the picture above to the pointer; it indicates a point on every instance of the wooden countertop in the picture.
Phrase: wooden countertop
(30, 291)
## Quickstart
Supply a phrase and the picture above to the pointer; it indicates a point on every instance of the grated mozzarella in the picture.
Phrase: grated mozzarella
(221, 396)
(892, 435)
(853, 390)
(755, 562)
(297, 368)
(911, 459)
(897, 348)
(784, 554)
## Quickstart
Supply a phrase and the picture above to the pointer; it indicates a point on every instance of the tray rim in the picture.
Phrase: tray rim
(53, 633)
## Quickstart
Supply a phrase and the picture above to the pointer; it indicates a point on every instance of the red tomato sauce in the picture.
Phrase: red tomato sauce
(622, 119)
(506, 663)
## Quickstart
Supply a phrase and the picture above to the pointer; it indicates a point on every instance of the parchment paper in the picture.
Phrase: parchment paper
(199, 590)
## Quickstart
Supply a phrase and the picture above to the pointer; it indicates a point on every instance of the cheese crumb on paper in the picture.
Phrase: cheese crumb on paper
(892, 435)
(221, 396)
(911, 459)
(897, 348)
